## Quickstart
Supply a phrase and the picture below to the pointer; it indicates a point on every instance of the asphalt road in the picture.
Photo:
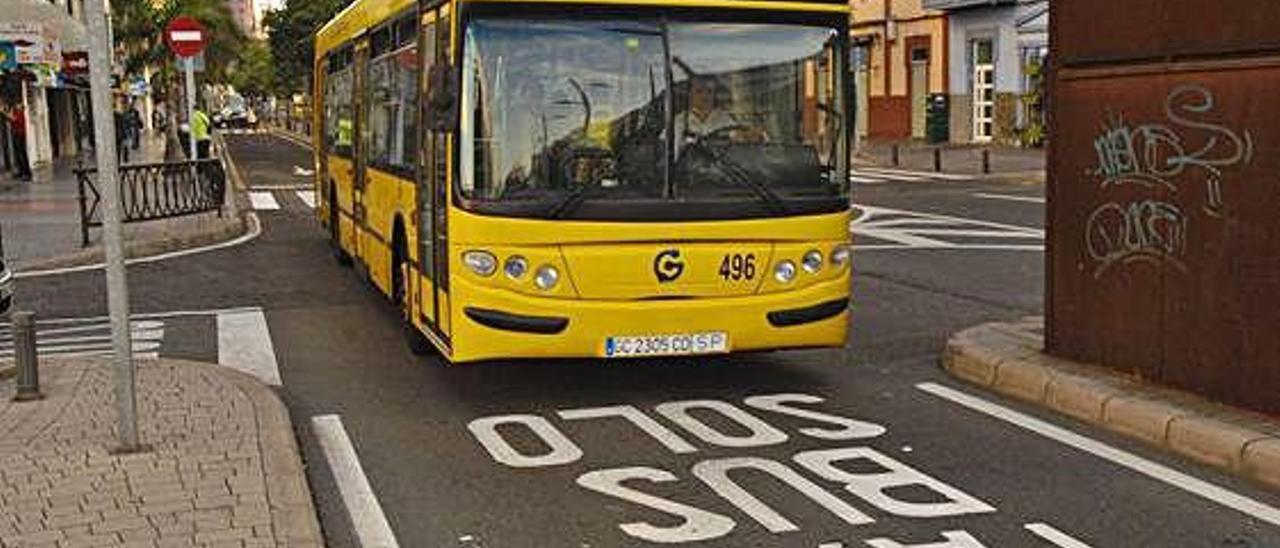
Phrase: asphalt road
(829, 449)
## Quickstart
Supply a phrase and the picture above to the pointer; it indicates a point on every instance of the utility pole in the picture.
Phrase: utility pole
(100, 53)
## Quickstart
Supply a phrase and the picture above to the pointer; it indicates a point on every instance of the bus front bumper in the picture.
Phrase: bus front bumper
(497, 323)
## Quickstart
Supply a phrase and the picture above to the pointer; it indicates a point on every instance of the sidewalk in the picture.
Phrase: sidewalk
(1006, 161)
(222, 470)
(40, 221)
(1006, 358)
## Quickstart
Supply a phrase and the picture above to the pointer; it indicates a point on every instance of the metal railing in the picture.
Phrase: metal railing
(155, 191)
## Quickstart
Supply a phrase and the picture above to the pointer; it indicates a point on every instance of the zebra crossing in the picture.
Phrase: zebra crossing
(864, 175)
(237, 338)
(275, 199)
(886, 228)
(86, 337)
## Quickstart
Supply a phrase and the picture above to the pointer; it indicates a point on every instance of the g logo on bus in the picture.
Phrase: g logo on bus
(668, 266)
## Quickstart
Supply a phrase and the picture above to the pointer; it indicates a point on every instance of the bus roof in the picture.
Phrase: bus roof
(363, 14)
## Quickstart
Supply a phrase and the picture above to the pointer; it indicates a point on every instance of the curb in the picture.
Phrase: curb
(295, 138)
(1007, 358)
(232, 225)
(293, 511)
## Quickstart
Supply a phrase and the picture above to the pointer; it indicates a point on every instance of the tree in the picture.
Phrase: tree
(253, 73)
(139, 26)
(291, 32)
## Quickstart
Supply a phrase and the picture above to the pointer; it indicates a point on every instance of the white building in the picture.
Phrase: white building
(998, 49)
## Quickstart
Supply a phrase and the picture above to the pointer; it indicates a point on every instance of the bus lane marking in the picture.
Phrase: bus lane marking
(872, 478)
(1154, 470)
(1058, 538)
(370, 524)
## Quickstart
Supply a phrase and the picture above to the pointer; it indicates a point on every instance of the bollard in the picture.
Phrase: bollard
(937, 160)
(24, 347)
(894, 154)
(986, 161)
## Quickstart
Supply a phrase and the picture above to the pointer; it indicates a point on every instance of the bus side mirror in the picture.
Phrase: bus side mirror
(442, 97)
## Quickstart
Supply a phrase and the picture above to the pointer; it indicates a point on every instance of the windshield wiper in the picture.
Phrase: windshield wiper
(767, 196)
(569, 203)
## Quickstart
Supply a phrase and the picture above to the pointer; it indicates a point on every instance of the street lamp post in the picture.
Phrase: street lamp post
(117, 286)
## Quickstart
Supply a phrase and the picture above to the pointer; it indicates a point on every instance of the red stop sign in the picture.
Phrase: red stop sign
(185, 36)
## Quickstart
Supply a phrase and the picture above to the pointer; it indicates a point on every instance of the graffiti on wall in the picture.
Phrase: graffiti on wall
(1188, 147)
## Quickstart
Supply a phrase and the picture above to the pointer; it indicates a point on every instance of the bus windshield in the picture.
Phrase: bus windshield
(631, 119)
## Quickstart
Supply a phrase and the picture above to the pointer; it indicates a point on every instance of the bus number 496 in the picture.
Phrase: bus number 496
(738, 267)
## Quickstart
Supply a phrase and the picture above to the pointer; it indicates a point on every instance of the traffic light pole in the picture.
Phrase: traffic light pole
(112, 235)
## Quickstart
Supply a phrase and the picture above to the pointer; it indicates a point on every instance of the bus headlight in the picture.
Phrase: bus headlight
(840, 255)
(812, 261)
(516, 267)
(785, 272)
(547, 277)
(483, 263)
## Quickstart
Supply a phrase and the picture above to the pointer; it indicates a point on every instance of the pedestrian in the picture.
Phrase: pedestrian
(122, 135)
(17, 118)
(200, 130)
(135, 125)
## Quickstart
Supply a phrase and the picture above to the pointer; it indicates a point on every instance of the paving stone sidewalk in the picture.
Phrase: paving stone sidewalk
(1007, 358)
(222, 469)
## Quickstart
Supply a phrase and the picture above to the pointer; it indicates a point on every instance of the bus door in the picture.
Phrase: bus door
(359, 150)
(433, 185)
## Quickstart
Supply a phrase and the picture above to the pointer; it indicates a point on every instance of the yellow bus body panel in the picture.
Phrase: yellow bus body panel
(621, 296)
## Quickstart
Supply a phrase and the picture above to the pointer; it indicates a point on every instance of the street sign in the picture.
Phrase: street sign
(185, 36)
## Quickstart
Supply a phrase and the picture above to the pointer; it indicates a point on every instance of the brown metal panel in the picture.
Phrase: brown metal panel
(1092, 31)
(1164, 225)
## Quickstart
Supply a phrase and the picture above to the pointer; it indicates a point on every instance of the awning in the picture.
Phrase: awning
(70, 33)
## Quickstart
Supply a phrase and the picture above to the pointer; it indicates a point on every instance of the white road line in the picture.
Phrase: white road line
(371, 527)
(1010, 197)
(900, 177)
(255, 230)
(264, 201)
(865, 180)
(1058, 538)
(926, 174)
(308, 197)
(244, 344)
(1123, 458)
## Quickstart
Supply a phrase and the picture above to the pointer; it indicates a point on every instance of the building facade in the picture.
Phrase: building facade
(42, 36)
(245, 15)
(998, 53)
(899, 60)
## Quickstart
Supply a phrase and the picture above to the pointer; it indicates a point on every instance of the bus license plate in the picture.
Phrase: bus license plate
(681, 344)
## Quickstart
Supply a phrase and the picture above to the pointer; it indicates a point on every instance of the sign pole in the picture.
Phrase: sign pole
(117, 285)
(189, 65)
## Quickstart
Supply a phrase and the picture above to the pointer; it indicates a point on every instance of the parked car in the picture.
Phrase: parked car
(6, 287)
(235, 118)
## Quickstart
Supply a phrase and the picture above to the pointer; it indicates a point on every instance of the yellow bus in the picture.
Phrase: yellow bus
(596, 178)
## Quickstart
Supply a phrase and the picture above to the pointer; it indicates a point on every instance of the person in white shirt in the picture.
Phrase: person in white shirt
(706, 116)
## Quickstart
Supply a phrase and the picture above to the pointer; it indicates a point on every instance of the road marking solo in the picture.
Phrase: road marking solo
(873, 478)
(370, 524)
(1123, 458)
